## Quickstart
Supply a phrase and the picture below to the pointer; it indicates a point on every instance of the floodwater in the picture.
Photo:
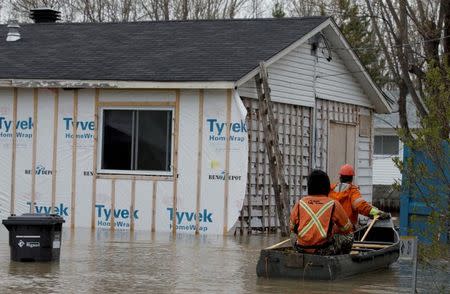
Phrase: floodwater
(105, 262)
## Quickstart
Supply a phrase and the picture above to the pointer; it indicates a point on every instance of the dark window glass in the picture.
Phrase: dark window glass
(154, 140)
(378, 148)
(386, 145)
(390, 145)
(137, 140)
(117, 139)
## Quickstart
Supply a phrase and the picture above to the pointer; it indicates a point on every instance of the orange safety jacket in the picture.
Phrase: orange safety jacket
(312, 219)
(350, 198)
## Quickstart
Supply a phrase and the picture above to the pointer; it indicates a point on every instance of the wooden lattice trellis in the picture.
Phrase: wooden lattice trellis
(294, 123)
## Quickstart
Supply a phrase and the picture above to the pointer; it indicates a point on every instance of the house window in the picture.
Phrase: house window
(386, 145)
(136, 141)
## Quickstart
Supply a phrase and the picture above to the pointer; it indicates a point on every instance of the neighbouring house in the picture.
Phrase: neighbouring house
(154, 125)
(387, 147)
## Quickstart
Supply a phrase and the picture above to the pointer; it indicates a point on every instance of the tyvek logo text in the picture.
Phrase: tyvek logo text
(121, 216)
(60, 209)
(183, 218)
(86, 126)
(21, 127)
(103, 214)
(217, 130)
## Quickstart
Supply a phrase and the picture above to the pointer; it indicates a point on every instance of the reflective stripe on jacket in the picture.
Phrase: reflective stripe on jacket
(313, 217)
(350, 198)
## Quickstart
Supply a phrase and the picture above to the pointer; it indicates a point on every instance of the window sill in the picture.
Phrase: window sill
(385, 156)
(134, 177)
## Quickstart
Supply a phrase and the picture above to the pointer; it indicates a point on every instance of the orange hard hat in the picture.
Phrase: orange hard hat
(347, 170)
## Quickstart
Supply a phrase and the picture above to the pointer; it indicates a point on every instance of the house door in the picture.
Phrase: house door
(341, 148)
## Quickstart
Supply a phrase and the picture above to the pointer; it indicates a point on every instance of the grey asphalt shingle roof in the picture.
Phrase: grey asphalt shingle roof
(220, 50)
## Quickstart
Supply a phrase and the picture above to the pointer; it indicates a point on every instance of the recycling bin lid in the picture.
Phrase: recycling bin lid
(33, 219)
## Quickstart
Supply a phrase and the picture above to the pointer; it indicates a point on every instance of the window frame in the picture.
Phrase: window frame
(384, 154)
(102, 171)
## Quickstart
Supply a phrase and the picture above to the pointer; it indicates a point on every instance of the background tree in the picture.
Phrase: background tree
(307, 7)
(414, 37)
(278, 10)
(255, 9)
(356, 27)
(1, 10)
(131, 10)
(20, 9)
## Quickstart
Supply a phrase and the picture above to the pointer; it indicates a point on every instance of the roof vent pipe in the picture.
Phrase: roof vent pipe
(40, 15)
(13, 31)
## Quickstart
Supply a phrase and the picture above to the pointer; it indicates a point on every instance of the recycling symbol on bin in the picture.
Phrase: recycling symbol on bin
(21, 243)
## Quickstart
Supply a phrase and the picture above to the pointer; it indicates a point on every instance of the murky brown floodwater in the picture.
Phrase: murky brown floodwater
(144, 263)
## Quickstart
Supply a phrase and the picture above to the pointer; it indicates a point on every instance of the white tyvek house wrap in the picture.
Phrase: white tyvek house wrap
(103, 204)
(44, 151)
(212, 177)
(122, 204)
(24, 143)
(64, 155)
(187, 168)
(144, 192)
(85, 153)
(162, 205)
(238, 160)
(213, 151)
(6, 115)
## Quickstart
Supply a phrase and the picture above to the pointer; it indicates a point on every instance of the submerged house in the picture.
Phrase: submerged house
(141, 126)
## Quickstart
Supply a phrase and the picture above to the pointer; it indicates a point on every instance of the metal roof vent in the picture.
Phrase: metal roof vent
(13, 31)
(40, 15)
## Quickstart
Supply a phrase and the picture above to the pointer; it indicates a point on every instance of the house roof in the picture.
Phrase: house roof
(219, 50)
(219, 54)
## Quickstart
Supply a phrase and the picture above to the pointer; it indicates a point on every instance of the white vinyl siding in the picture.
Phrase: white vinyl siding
(291, 80)
(335, 82)
(384, 170)
(364, 168)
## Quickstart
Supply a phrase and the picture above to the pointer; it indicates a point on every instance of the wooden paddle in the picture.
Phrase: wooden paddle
(369, 228)
(371, 246)
(278, 244)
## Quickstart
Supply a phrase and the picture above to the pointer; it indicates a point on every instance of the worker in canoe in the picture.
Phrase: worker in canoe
(319, 224)
(350, 198)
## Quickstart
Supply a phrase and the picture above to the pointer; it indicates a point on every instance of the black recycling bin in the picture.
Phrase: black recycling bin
(34, 237)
